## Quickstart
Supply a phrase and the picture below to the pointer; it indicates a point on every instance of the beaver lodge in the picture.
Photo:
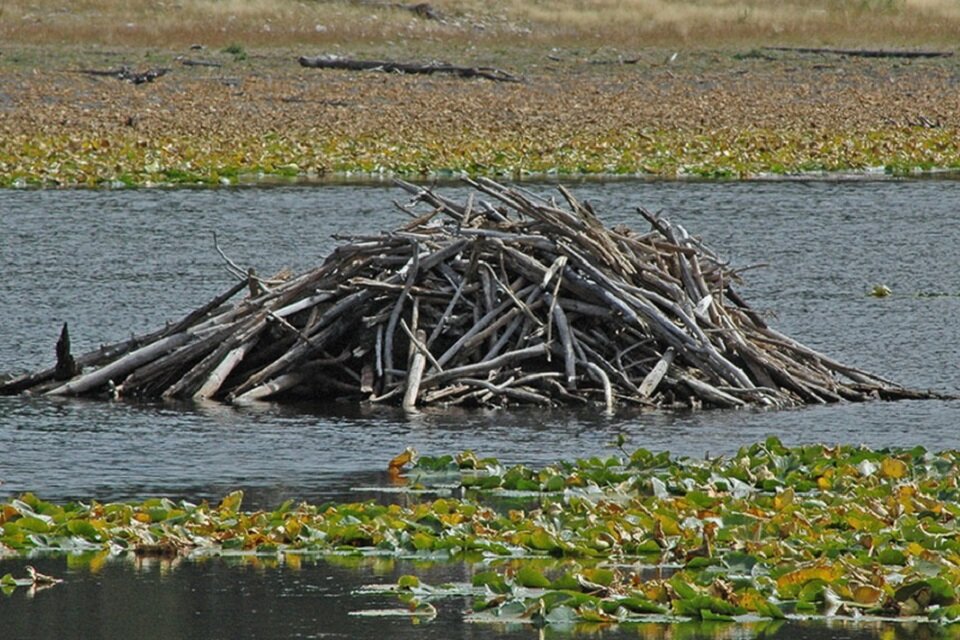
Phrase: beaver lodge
(507, 298)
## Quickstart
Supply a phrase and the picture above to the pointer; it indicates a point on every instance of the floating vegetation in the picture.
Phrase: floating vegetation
(127, 159)
(772, 532)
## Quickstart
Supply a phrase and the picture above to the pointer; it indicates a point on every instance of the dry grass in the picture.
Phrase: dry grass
(725, 22)
(620, 23)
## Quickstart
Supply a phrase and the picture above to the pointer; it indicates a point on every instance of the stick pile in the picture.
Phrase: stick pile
(507, 298)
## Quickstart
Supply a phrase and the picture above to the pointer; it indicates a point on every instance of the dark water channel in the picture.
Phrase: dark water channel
(114, 263)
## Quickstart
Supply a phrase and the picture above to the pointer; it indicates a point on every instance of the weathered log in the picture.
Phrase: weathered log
(389, 66)
(866, 53)
(114, 371)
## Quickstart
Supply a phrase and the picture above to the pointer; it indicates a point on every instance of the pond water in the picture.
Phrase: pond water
(114, 263)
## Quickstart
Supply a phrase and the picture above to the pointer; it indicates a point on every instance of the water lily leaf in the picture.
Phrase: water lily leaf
(527, 576)
(789, 584)
(554, 483)
(694, 607)
(648, 546)
(34, 524)
(739, 562)
(543, 541)
(805, 607)
(866, 594)
(709, 616)
(566, 581)
(640, 605)
(408, 582)
(770, 610)
(700, 499)
(492, 580)
(701, 562)
(891, 556)
(84, 529)
(598, 575)
(489, 482)
(422, 541)
(156, 514)
(231, 502)
(684, 590)
(813, 591)
(438, 463)
(512, 608)
(591, 614)
(561, 615)
(893, 468)
(947, 615)
(943, 592)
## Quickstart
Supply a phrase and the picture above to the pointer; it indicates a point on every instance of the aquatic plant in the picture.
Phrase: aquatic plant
(769, 532)
(53, 158)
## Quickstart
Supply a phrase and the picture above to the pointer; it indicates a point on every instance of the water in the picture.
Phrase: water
(119, 262)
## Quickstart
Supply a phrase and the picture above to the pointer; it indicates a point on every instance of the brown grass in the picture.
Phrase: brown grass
(626, 24)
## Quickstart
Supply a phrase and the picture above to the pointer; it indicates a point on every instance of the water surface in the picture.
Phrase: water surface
(114, 263)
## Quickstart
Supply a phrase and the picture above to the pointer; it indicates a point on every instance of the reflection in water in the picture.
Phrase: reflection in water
(294, 596)
(139, 258)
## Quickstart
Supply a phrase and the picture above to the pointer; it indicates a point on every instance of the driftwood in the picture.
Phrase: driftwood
(420, 9)
(865, 53)
(337, 62)
(508, 298)
(191, 62)
(126, 73)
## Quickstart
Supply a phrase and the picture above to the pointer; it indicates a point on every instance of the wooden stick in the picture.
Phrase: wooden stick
(416, 371)
(652, 379)
(215, 380)
(120, 368)
(487, 365)
(566, 341)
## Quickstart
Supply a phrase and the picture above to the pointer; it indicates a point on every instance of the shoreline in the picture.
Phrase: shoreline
(372, 180)
(705, 114)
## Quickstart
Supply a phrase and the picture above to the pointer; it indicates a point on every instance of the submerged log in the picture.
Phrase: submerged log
(508, 298)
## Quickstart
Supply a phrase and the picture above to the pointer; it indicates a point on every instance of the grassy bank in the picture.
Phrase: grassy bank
(637, 87)
(620, 23)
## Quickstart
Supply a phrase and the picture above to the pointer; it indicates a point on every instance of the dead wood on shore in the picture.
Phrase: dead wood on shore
(126, 73)
(389, 66)
(865, 53)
